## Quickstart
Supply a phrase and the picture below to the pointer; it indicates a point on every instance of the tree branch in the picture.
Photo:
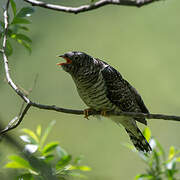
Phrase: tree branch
(109, 113)
(98, 4)
(17, 120)
(6, 67)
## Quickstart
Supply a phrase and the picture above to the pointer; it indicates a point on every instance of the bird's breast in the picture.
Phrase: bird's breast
(92, 90)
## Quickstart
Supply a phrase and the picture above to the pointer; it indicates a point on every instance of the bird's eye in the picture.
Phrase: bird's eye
(76, 58)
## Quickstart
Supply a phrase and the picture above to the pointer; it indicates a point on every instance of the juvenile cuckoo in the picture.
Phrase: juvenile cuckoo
(102, 88)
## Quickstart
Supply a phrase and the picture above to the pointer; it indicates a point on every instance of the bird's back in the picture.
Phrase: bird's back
(122, 94)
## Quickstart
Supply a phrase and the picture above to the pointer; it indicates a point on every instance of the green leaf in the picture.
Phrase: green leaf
(46, 133)
(17, 27)
(26, 45)
(161, 149)
(18, 162)
(178, 159)
(170, 174)
(18, 20)
(8, 49)
(1, 31)
(38, 130)
(14, 165)
(2, 24)
(64, 161)
(23, 37)
(61, 152)
(23, 28)
(78, 159)
(23, 40)
(156, 162)
(147, 134)
(50, 147)
(9, 32)
(171, 152)
(77, 174)
(13, 5)
(25, 12)
(31, 134)
(82, 168)
(49, 157)
(143, 176)
(26, 177)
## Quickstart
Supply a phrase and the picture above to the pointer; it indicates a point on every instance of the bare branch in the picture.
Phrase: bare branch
(98, 4)
(81, 112)
(129, 114)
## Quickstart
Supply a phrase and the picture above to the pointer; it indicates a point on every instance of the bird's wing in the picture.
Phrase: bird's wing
(122, 94)
(138, 99)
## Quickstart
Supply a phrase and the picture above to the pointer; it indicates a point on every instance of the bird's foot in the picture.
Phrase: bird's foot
(103, 113)
(86, 113)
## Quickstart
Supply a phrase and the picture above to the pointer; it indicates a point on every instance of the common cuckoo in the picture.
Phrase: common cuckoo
(102, 88)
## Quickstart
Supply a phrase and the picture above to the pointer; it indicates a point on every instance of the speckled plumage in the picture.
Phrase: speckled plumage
(103, 88)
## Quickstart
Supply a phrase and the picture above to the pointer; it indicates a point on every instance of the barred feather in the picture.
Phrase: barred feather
(140, 143)
(103, 88)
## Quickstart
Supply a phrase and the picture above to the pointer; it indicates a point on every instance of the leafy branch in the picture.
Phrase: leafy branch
(50, 155)
(160, 166)
(12, 29)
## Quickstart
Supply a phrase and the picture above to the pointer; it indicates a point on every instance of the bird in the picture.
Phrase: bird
(102, 88)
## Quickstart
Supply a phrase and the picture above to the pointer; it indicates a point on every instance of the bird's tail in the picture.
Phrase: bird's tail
(139, 142)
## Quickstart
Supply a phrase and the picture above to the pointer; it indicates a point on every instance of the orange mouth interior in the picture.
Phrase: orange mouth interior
(68, 61)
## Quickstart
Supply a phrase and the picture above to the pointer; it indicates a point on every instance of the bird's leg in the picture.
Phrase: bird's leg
(86, 113)
(103, 113)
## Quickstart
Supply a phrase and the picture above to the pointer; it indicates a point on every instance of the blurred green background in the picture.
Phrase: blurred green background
(142, 43)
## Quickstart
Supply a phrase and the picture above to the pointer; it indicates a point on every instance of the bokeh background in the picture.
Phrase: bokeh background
(142, 43)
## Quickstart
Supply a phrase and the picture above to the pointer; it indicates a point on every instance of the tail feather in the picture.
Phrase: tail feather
(139, 142)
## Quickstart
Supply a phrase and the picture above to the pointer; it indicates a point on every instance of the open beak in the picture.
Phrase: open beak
(68, 61)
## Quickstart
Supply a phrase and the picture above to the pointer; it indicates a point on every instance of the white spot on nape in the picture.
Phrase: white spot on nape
(79, 53)
(104, 66)
(95, 61)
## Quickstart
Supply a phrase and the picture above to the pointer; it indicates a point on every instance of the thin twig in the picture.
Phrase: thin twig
(28, 93)
(18, 120)
(98, 4)
(129, 114)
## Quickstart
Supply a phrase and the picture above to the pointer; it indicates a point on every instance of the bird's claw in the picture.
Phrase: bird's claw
(103, 113)
(86, 113)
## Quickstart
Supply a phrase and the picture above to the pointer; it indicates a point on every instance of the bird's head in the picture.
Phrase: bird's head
(75, 61)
